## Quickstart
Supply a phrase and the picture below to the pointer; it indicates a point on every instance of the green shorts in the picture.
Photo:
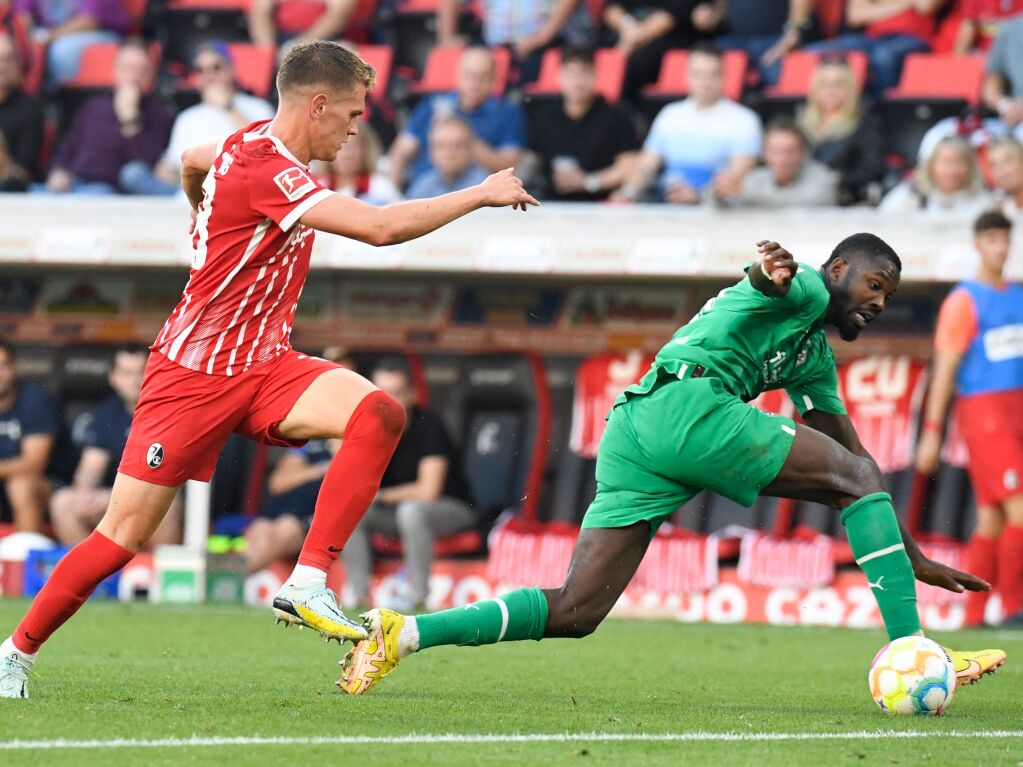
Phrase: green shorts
(662, 448)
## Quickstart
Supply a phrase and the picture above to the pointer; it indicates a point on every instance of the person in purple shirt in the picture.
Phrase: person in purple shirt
(113, 138)
(68, 27)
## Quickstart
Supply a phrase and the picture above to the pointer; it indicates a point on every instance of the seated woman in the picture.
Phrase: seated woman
(947, 183)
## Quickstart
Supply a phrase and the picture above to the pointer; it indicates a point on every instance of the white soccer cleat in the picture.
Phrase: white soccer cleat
(316, 607)
(14, 671)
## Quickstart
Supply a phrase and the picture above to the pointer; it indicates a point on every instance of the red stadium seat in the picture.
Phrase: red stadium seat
(380, 57)
(440, 74)
(253, 69)
(96, 69)
(797, 70)
(934, 77)
(673, 80)
(610, 65)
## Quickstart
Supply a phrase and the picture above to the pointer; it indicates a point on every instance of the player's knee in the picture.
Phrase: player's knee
(859, 477)
(568, 620)
(387, 413)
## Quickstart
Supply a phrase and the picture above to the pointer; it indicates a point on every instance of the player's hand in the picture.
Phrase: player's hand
(928, 453)
(191, 225)
(936, 574)
(505, 188)
(777, 262)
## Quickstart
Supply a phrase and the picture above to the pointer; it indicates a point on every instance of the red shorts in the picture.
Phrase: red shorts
(183, 418)
(992, 426)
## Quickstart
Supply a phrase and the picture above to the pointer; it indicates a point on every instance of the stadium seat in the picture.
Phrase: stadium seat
(610, 66)
(96, 69)
(254, 67)
(440, 75)
(37, 362)
(137, 11)
(797, 70)
(950, 501)
(184, 24)
(81, 381)
(673, 81)
(381, 58)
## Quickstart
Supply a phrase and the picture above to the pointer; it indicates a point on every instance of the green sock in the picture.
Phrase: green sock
(876, 542)
(517, 615)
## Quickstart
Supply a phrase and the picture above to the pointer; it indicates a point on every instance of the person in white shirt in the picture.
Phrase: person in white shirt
(222, 110)
(948, 183)
(703, 146)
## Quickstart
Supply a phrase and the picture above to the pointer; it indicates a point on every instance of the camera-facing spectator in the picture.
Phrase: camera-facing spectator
(222, 110)
(705, 144)
(980, 21)
(78, 508)
(1005, 160)
(499, 126)
(948, 183)
(451, 157)
(841, 133)
(354, 170)
(113, 138)
(1003, 81)
(789, 177)
(587, 146)
(287, 23)
(21, 124)
(69, 27)
(29, 424)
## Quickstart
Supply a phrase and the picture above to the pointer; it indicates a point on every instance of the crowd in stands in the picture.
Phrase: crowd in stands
(621, 100)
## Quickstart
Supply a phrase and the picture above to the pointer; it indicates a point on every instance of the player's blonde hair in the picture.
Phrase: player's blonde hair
(810, 118)
(322, 62)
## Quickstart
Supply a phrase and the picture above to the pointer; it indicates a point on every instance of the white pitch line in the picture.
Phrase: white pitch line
(454, 738)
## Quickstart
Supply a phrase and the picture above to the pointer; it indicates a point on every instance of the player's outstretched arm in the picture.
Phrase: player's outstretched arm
(404, 221)
(772, 274)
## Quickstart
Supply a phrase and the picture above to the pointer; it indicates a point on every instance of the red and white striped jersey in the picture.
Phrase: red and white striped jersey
(251, 258)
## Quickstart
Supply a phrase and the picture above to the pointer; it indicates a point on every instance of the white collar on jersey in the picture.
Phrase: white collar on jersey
(264, 132)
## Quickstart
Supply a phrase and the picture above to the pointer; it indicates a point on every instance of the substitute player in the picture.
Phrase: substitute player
(223, 362)
(978, 358)
(686, 427)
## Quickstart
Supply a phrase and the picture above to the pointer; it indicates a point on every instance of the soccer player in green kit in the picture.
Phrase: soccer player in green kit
(686, 427)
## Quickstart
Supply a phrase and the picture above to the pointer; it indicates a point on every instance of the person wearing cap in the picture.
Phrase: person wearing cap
(222, 110)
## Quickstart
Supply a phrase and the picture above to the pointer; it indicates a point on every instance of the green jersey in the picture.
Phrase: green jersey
(753, 343)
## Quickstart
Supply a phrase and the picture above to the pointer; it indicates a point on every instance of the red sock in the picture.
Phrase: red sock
(1010, 569)
(353, 477)
(72, 581)
(981, 560)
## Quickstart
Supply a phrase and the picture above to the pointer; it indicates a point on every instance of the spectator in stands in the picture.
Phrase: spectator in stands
(499, 125)
(113, 136)
(21, 124)
(423, 494)
(288, 23)
(789, 177)
(29, 424)
(765, 29)
(1005, 159)
(222, 110)
(842, 133)
(887, 32)
(948, 183)
(977, 359)
(705, 144)
(451, 158)
(354, 171)
(526, 27)
(78, 508)
(1003, 83)
(644, 30)
(979, 22)
(587, 146)
(69, 27)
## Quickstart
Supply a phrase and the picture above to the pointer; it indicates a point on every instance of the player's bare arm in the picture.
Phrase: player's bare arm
(404, 221)
(840, 428)
(939, 397)
(195, 164)
(772, 274)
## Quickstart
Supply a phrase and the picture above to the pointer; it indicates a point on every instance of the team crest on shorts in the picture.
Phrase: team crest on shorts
(154, 456)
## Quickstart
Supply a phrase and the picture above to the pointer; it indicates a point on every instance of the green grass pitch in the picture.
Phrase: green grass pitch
(143, 672)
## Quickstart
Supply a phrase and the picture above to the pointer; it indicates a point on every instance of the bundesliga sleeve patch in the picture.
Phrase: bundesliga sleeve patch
(295, 183)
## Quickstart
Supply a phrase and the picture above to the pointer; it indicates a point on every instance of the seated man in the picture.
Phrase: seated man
(423, 494)
(21, 123)
(705, 144)
(77, 508)
(29, 423)
(451, 157)
(789, 177)
(499, 126)
(586, 145)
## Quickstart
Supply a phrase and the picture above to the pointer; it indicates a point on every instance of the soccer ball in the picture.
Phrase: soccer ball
(912, 675)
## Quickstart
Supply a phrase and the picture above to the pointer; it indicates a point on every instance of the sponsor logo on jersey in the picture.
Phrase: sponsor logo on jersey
(154, 456)
(295, 183)
(1004, 343)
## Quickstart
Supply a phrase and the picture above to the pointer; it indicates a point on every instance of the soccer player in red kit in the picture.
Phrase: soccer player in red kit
(223, 362)
(978, 358)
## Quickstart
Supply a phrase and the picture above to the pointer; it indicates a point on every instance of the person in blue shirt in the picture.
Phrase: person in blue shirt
(29, 423)
(453, 168)
(499, 126)
(77, 508)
